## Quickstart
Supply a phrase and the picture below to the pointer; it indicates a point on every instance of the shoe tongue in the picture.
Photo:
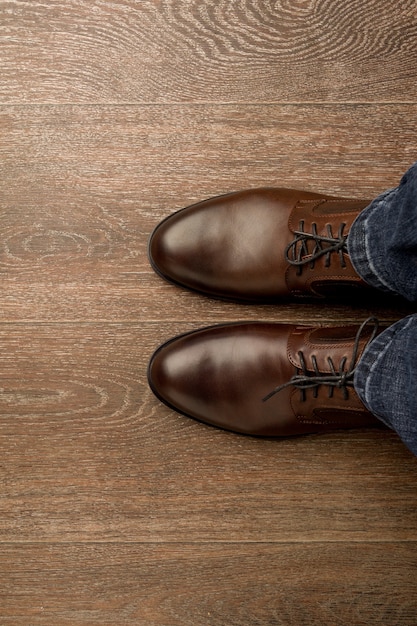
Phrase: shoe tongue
(321, 343)
(319, 211)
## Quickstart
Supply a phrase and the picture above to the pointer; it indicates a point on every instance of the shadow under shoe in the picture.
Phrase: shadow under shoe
(261, 245)
(265, 379)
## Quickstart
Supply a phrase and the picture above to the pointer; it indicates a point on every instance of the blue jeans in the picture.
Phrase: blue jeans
(382, 245)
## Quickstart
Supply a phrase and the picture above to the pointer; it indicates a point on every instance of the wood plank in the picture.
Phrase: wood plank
(185, 584)
(113, 508)
(88, 454)
(82, 187)
(181, 51)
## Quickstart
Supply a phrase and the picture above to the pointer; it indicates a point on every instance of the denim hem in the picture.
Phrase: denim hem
(359, 245)
(371, 357)
(383, 383)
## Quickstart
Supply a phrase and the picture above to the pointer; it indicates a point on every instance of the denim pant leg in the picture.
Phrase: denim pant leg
(386, 379)
(382, 241)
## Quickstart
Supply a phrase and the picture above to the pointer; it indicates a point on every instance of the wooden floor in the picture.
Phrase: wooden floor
(114, 509)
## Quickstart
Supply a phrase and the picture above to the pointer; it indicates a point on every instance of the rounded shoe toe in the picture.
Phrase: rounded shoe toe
(228, 246)
(220, 375)
(169, 378)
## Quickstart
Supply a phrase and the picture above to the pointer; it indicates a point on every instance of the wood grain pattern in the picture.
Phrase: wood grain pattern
(197, 585)
(89, 454)
(188, 51)
(83, 187)
(113, 508)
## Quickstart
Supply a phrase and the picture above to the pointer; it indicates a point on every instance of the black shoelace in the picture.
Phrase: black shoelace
(340, 378)
(298, 253)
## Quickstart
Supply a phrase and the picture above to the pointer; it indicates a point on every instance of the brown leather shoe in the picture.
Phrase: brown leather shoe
(265, 379)
(260, 245)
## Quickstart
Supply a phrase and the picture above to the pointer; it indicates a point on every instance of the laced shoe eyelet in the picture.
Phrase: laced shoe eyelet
(300, 251)
(341, 378)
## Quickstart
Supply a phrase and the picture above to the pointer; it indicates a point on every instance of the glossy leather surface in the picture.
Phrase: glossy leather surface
(220, 375)
(234, 246)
